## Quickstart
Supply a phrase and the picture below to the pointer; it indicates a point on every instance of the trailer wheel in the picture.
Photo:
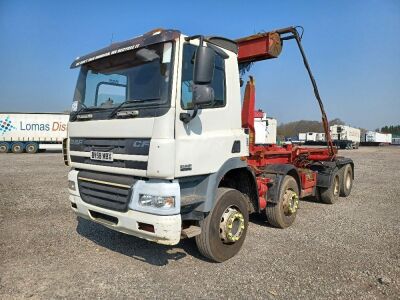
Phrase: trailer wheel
(31, 148)
(224, 229)
(283, 213)
(17, 148)
(4, 147)
(330, 195)
(346, 174)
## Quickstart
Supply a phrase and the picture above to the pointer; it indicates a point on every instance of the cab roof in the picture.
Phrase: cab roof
(152, 37)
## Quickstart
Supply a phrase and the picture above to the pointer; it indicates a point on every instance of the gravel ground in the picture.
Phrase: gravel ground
(349, 250)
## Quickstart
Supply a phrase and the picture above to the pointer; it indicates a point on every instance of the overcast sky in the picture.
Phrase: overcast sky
(353, 48)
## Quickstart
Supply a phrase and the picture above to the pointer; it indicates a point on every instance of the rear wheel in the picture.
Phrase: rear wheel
(346, 174)
(283, 213)
(17, 148)
(4, 147)
(331, 195)
(224, 230)
(31, 148)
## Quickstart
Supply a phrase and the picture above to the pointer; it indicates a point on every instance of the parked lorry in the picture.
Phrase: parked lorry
(312, 138)
(302, 136)
(346, 137)
(32, 132)
(373, 138)
(265, 128)
(160, 146)
(395, 140)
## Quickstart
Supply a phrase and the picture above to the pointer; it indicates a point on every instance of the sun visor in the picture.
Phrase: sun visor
(153, 37)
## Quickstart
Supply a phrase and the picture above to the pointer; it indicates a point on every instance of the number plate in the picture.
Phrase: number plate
(105, 156)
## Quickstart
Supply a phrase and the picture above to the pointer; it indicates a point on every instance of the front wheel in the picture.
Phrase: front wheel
(224, 229)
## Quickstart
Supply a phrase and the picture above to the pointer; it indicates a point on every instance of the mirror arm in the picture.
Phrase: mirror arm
(186, 117)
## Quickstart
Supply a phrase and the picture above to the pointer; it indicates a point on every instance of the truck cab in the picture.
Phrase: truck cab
(135, 165)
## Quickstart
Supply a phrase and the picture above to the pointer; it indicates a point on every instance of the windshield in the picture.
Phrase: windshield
(140, 77)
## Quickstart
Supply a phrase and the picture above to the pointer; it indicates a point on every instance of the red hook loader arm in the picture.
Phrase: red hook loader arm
(318, 171)
(268, 45)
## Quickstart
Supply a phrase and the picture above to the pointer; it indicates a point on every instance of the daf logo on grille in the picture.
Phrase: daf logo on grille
(140, 144)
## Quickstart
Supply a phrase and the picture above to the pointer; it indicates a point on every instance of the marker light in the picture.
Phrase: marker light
(71, 185)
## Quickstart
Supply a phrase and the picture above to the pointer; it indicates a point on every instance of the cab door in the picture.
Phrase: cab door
(207, 141)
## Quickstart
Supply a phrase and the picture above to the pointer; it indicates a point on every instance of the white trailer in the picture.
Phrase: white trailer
(396, 141)
(265, 128)
(372, 137)
(302, 136)
(345, 137)
(32, 132)
(308, 136)
(320, 137)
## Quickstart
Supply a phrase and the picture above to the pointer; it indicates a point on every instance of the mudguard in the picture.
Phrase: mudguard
(198, 192)
(277, 173)
(327, 168)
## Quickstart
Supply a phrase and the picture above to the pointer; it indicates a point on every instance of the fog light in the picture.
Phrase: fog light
(164, 202)
(71, 185)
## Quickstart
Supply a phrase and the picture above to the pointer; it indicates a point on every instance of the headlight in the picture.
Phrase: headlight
(158, 197)
(165, 202)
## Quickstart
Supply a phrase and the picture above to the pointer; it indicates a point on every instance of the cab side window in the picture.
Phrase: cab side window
(218, 82)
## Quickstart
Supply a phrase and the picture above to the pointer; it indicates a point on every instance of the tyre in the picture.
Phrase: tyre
(283, 213)
(17, 148)
(346, 174)
(4, 147)
(31, 148)
(330, 195)
(224, 229)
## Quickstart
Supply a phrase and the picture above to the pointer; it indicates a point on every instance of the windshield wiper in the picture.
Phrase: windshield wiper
(123, 104)
(84, 108)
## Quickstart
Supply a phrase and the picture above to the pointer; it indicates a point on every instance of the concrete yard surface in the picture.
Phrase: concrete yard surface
(349, 250)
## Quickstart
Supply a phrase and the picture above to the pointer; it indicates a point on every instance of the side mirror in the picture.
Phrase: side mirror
(202, 94)
(203, 65)
(203, 73)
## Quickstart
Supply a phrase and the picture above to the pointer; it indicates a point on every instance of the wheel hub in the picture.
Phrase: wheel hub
(290, 202)
(348, 180)
(336, 186)
(232, 225)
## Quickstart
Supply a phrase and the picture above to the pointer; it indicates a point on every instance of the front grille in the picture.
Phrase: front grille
(105, 190)
(135, 146)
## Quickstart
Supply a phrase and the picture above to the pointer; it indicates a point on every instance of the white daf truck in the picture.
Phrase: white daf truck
(158, 150)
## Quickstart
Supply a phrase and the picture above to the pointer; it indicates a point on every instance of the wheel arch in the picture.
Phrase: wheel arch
(198, 192)
(243, 180)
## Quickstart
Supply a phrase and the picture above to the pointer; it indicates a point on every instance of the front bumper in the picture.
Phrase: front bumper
(162, 229)
(167, 229)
